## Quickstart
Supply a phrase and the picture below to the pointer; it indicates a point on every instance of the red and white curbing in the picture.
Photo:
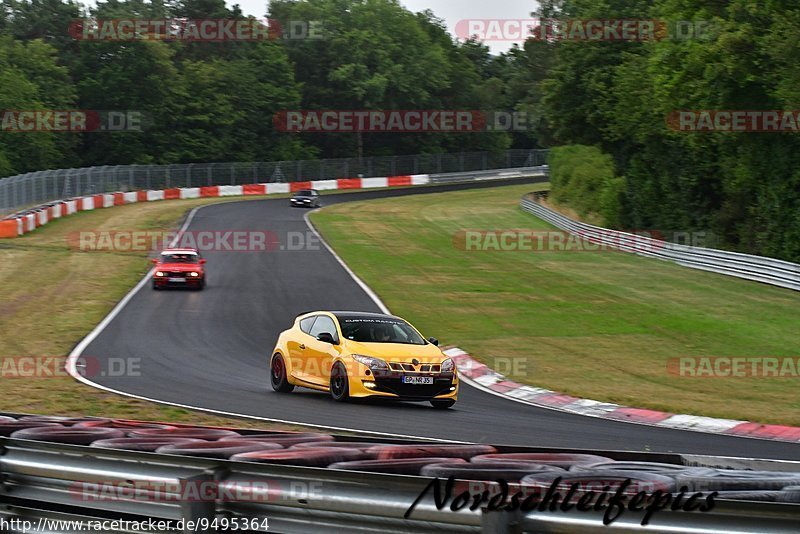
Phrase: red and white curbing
(22, 224)
(479, 375)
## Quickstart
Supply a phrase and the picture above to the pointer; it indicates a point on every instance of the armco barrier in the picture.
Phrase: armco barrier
(301, 493)
(24, 222)
(758, 268)
(40, 187)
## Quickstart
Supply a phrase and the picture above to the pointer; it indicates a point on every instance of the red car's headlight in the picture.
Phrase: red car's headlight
(159, 273)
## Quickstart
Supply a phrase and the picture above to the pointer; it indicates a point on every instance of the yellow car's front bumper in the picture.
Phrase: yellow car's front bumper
(390, 385)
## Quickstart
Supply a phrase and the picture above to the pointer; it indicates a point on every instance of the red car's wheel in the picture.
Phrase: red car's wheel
(277, 373)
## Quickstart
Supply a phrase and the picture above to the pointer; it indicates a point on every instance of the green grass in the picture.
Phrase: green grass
(52, 296)
(597, 325)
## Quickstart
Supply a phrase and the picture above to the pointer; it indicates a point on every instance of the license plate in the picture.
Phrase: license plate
(418, 380)
(176, 279)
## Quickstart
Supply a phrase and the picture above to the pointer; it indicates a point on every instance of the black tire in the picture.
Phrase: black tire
(339, 385)
(277, 374)
(202, 285)
(442, 404)
(155, 287)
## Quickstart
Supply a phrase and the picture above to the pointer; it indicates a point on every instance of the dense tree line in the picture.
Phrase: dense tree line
(610, 99)
(215, 101)
(742, 186)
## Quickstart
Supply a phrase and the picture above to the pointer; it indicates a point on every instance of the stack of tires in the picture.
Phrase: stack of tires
(467, 463)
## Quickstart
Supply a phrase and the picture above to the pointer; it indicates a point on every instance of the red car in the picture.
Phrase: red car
(179, 267)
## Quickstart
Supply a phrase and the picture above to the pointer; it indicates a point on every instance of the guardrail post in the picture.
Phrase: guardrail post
(501, 522)
(195, 510)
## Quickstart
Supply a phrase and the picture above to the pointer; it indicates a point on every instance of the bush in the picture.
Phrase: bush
(582, 177)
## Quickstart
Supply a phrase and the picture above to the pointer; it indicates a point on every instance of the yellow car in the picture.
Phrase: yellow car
(358, 355)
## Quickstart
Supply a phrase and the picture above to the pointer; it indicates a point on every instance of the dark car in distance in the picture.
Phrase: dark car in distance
(308, 198)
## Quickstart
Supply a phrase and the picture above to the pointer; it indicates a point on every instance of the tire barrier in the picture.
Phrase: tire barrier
(123, 425)
(789, 494)
(301, 457)
(396, 466)
(735, 480)
(9, 427)
(562, 460)
(758, 496)
(387, 452)
(488, 471)
(62, 420)
(217, 449)
(79, 483)
(370, 449)
(287, 439)
(208, 434)
(599, 479)
(143, 444)
(643, 467)
(362, 445)
(70, 435)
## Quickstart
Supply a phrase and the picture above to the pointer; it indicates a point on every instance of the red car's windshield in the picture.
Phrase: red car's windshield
(180, 258)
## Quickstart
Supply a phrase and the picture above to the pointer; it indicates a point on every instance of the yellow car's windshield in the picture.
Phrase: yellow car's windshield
(380, 330)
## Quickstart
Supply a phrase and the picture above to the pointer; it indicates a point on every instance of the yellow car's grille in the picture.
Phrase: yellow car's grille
(411, 368)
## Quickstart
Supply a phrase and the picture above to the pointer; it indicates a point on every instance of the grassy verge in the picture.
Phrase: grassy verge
(597, 325)
(53, 295)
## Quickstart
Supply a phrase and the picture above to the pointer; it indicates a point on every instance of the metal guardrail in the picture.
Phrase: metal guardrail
(26, 190)
(48, 480)
(492, 174)
(757, 268)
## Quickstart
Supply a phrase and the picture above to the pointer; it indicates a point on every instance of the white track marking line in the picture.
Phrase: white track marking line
(72, 359)
(76, 353)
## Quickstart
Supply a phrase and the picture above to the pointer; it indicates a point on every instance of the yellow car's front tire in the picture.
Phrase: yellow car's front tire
(443, 404)
(340, 383)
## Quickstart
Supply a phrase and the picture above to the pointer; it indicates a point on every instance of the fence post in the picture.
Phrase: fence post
(194, 510)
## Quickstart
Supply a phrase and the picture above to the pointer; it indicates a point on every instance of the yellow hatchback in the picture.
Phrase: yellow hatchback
(359, 355)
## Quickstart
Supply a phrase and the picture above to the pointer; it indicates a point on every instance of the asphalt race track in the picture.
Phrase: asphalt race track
(210, 349)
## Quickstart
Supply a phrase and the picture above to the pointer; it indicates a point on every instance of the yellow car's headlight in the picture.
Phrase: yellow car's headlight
(376, 364)
(448, 366)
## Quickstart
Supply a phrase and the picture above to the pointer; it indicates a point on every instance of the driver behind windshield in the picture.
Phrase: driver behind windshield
(180, 258)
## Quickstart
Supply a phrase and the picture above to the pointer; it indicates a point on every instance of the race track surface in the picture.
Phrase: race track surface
(210, 349)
